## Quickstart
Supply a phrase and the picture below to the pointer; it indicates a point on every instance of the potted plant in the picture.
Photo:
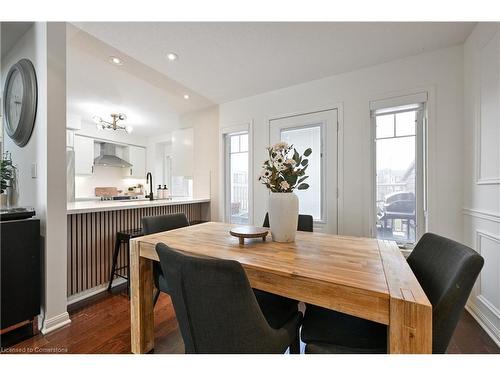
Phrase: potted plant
(7, 175)
(282, 173)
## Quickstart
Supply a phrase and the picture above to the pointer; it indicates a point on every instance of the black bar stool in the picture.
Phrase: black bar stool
(123, 237)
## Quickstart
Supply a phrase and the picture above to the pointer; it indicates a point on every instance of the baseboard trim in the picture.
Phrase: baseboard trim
(483, 321)
(58, 321)
(93, 291)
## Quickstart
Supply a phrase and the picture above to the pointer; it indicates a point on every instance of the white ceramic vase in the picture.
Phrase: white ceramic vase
(3, 200)
(283, 216)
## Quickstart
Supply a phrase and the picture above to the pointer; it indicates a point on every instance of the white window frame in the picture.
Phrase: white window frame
(421, 155)
(224, 163)
(333, 190)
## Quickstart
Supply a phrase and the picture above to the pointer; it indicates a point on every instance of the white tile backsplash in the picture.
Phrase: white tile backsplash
(105, 177)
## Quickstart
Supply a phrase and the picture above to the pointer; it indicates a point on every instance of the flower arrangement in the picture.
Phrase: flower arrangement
(285, 169)
(7, 173)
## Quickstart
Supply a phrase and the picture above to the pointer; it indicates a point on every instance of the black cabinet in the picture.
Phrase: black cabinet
(20, 271)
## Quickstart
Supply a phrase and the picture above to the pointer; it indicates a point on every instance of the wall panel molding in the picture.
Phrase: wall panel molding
(481, 214)
(487, 119)
(488, 275)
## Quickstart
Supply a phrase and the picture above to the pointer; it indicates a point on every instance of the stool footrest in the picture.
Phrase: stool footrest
(118, 275)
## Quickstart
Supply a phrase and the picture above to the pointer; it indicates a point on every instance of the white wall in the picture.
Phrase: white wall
(440, 72)
(45, 45)
(31, 192)
(205, 124)
(482, 200)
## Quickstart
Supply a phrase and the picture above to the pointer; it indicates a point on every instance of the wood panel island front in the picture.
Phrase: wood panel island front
(92, 228)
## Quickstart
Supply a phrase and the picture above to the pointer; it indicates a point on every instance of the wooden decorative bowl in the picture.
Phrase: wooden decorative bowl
(249, 232)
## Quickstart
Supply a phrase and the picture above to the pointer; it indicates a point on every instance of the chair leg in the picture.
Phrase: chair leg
(113, 267)
(34, 326)
(128, 269)
(155, 298)
(295, 345)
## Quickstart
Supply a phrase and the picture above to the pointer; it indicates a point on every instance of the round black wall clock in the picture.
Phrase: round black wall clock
(20, 101)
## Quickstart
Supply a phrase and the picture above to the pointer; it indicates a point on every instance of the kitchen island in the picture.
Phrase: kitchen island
(92, 227)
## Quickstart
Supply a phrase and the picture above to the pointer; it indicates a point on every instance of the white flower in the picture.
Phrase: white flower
(284, 185)
(266, 173)
(278, 159)
(280, 146)
(289, 161)
(279, 167)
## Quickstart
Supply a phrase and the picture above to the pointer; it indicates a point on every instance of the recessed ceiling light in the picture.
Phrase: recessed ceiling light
(172, 56)
(186, 96)
(116, 60)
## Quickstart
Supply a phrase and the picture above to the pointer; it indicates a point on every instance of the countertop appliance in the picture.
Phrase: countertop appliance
(20, 265)
(119, 198)
(16, 213)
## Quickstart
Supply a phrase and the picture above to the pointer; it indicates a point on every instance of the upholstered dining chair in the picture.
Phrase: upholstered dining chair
(305, 223)
(446, 270)
(216, 308)
(162, 223)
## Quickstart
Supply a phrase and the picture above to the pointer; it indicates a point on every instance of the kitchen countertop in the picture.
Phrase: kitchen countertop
(98, 206)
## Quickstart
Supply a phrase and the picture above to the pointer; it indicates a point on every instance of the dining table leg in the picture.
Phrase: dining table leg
(141, 301)
(410, 312)
(410, 327)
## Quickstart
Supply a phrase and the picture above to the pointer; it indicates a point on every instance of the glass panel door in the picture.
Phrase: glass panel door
(303, 138)
(399, 171)
(318, 131)
(237, 178)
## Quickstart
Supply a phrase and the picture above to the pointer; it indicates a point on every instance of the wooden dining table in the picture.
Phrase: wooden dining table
(363, 277)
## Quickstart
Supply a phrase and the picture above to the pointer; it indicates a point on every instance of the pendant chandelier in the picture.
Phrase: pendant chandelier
(113, 125)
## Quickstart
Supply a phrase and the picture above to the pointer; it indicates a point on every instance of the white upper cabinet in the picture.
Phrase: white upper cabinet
(84, 155)
(137, 157)
(182, 152)
(70, 138)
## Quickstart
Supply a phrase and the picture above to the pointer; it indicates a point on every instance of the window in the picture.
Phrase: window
(237, 205)
(303, 138)
(399, 173)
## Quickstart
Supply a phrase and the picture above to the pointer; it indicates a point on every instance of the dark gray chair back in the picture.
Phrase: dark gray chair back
(162, 223)
(447, 271)
(305, 223)
(215, 306)
(156, 224)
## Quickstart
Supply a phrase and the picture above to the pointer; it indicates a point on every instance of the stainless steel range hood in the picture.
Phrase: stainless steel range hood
(108, 158)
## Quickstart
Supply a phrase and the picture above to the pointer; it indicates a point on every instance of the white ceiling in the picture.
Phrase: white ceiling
(95, 86)
(227, 61)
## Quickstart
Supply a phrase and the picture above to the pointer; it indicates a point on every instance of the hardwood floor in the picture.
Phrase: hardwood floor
(102, 325)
